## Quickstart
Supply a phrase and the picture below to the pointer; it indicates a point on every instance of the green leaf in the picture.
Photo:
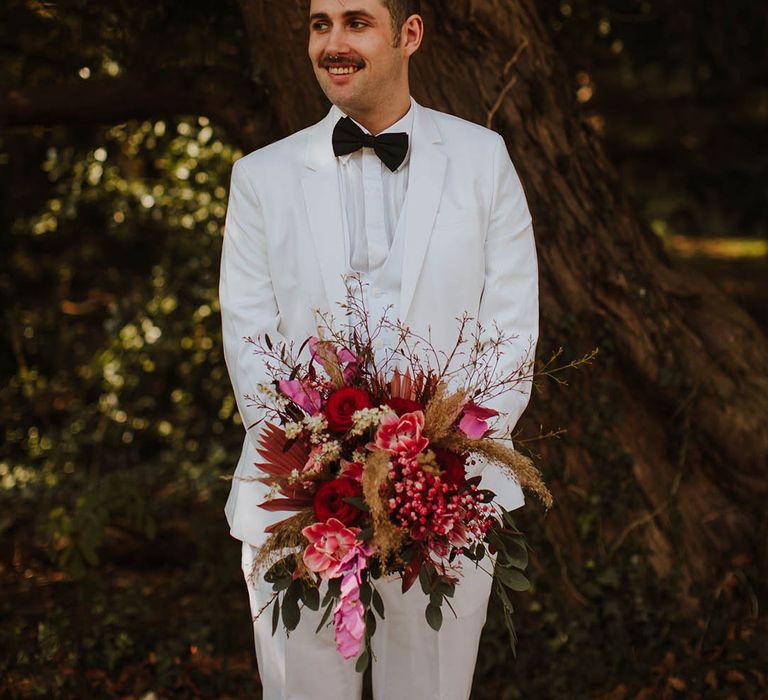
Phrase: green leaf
(512, 578)
(426, 584)
(370, 624)
(509, 521)
(362, 662)
(501, 592)
(434, 617)
(364, 534)
(291, 612)
(436, 598)
(311, 597)
(517, 555)
(275, 615)
(325, 617)
(494, 540)
(365, 593)
(334, 587)
(358, 503)
(282, 584)
(378, 603)
(446, 588)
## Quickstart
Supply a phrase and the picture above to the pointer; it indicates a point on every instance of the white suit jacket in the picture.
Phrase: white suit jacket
(469, 247)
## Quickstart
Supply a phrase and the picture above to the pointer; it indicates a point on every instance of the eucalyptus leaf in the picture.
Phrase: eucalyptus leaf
(311, 597)
(325, 617)
(378, 603)
(426, 585)
(434, 617)
(365, 593)
(358, 503)
(362, 662)
(282, 583)
(275, 615)
(512, 578)
(517, 555)
(334, 587)
(370, 623)
(291, 612)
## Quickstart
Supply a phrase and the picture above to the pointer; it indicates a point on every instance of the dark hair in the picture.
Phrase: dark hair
(401, 10)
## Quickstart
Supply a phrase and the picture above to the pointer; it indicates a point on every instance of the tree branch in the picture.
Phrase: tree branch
(226, 97)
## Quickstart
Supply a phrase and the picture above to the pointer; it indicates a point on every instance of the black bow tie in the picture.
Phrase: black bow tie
(391, 149)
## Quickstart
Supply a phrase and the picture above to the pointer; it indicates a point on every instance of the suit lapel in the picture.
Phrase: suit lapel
(322, 198)
(425, 185)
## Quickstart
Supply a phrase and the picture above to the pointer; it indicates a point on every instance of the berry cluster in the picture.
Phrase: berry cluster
(433, 510)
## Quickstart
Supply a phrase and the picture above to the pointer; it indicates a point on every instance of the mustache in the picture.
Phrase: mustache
(340, 61)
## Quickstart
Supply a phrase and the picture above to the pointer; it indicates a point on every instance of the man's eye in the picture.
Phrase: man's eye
(320, 26)
(357, 24)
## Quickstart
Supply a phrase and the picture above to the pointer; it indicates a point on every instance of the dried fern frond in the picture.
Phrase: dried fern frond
(387, 537)
(442, 411)
(326, 354)
(512, 462)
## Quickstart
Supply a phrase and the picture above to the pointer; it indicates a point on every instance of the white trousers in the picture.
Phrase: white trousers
(411, 660)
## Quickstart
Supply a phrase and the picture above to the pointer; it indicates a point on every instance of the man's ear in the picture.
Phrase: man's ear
(411, 34)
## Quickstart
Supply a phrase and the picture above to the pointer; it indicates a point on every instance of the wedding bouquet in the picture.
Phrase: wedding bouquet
(372, 461)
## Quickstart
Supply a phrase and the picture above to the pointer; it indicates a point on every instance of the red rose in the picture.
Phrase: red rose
(402, 406)
(452, 466)
(342, 403)
(330, 503)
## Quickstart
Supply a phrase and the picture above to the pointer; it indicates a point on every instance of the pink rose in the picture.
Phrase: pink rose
(401, 435)
(473, 422)
(330, 543)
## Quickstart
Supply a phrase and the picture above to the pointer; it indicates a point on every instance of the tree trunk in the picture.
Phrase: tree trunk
(685, 368)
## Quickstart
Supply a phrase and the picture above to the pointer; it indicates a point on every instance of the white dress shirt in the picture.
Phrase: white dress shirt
(372, 199)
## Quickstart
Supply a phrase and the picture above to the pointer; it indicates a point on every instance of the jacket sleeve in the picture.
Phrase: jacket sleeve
(246, 294)
(510, 298)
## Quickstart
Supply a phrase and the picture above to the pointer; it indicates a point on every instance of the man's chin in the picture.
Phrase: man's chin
(342, 98)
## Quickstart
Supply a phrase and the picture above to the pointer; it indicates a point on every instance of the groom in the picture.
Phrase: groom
(428, 210)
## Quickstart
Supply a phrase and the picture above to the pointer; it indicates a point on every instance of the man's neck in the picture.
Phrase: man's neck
(376, 122)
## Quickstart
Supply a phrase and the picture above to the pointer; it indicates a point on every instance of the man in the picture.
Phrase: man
(433, 217)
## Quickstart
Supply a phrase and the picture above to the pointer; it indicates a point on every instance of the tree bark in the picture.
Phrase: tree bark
(689, 367)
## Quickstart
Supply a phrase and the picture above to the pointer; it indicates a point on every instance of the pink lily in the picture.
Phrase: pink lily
(347, 359)
(306, 398)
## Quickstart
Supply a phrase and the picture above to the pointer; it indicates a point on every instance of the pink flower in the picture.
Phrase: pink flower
(352, 362)
(315, 462)
(473, 422)
(306, 398)
(348, 618)
(401, 435)
(344, 355)
(331, 546)
(353, 470)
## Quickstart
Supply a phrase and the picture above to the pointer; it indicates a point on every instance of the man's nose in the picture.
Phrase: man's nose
(337, 42)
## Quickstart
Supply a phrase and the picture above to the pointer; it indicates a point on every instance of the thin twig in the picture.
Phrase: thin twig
(509, 85)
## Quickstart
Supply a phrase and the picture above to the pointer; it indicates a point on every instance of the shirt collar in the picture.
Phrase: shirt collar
(405, 123)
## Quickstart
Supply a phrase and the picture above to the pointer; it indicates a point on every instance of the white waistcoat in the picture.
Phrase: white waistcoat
(380, 286)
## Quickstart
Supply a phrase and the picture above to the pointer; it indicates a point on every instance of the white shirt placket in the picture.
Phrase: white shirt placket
(375, 222)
